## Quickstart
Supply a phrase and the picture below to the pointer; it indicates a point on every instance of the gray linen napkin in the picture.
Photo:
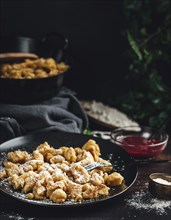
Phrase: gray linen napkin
(61, 113)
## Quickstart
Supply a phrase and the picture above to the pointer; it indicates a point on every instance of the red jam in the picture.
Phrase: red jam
(140, 146)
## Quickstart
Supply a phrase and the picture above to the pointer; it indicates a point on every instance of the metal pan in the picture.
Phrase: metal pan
(27, 91)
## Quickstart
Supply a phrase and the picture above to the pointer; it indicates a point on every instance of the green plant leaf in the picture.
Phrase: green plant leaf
(134, 46)
(156, 83)
(87, 132)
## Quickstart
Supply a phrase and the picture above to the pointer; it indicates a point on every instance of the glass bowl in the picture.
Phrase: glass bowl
(140, 141)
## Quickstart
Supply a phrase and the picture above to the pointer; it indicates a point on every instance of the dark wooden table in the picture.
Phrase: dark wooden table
(114, 209)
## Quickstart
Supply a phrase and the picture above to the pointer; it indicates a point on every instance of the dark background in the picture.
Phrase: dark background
(94, 30)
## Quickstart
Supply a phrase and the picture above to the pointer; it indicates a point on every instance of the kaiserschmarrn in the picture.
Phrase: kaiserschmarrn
(30, 69)
(60, 174)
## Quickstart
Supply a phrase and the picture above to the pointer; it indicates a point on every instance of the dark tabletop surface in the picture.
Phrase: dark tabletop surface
(116, 208)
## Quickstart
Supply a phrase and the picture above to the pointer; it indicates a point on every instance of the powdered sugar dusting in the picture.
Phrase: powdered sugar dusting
(16, 216)
(143, 200)
(3, 156)
(118, 165)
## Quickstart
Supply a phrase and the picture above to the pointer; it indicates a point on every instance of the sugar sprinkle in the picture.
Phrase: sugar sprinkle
(16, 216)
(143, 200)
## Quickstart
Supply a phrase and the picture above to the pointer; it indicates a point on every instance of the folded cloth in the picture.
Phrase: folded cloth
(61, 113)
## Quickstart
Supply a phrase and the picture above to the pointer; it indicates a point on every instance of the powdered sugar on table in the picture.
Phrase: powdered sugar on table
(143, 200)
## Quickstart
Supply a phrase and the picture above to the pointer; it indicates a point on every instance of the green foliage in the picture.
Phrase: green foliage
(87, 132)
(148, 33)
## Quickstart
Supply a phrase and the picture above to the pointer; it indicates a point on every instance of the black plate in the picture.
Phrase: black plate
(121, 160)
